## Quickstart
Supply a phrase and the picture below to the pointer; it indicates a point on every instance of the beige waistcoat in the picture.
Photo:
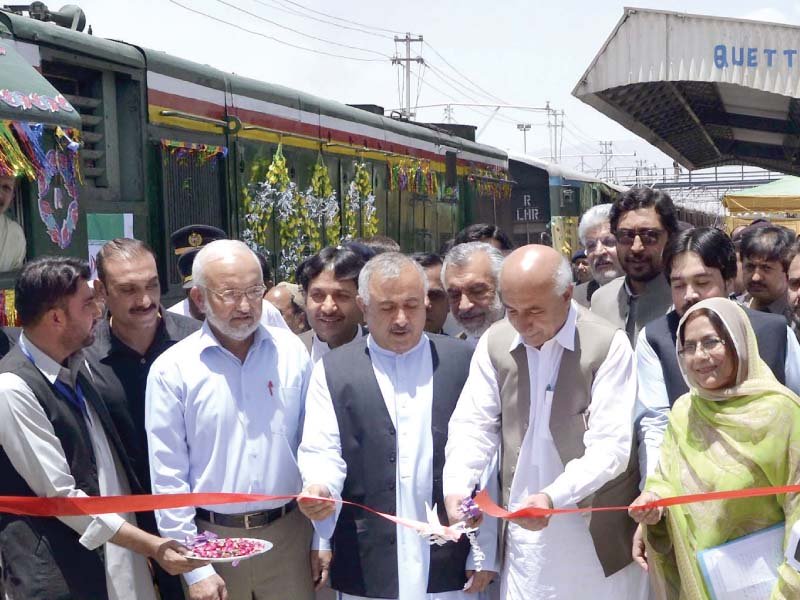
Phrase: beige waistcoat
(612, 532)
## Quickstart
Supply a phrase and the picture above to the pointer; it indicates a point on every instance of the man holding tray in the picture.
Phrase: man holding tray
(224, 411)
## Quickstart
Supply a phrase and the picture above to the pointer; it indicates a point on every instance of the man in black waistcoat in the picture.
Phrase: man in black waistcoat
(376, 427)
(136, 330)
(9, 336)
(58, 439)
(699, 263)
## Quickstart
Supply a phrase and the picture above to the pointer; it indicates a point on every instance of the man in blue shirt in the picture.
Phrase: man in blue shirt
(223, 413)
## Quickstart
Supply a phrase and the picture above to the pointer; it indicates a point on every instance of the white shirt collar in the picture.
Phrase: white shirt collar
(374, 347)
(565, 336)
(45, 363)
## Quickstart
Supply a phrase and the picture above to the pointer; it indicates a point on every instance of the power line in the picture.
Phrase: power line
(298, 32)
(488, 94)
(292, 11)
(317, 12)
(436, 72)
(270, 37)
(420, 74)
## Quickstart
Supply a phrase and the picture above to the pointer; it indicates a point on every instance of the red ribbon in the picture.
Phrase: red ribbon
(96, 505)
(488, 506)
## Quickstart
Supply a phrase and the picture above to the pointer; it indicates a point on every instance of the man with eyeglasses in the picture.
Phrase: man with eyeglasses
(642, 220)
(699, 263)
(224, 413)
(600, 245)
(187, 242)
(470, 276)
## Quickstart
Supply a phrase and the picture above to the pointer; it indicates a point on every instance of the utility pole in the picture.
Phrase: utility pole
(605, 150)
(524, 128)
(406, 62)
(448, 114)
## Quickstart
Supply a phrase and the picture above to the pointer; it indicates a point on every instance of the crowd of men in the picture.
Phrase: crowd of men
(382, 379)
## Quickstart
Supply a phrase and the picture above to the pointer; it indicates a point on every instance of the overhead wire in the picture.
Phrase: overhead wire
(420, 74)
(436, 72)
(280, 6)
(488, 94)
(298, 32)
(318, 12)
(273, 38)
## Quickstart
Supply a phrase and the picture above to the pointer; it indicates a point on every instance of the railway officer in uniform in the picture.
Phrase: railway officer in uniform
(188, 241)
(642, 220)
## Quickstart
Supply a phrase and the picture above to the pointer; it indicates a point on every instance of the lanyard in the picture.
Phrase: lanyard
(74, 397)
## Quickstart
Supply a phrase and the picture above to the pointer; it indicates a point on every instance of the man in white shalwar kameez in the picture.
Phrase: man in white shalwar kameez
(419, 378)
(556, 452)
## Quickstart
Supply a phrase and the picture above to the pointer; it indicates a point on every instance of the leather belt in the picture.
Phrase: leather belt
(246, 520)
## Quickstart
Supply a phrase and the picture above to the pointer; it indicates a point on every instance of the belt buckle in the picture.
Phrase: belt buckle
(247, 521)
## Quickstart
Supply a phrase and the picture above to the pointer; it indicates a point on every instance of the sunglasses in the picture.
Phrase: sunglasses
(649, 237)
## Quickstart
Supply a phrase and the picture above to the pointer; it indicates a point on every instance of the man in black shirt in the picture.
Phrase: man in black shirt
(136, 331)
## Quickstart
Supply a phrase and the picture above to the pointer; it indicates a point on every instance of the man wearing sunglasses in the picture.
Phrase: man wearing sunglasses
(600, 246)
(642, 220)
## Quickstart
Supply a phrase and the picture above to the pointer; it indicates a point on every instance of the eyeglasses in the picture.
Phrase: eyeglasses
(649, 237)
(253, 294)
(608, 241)
(708, 345)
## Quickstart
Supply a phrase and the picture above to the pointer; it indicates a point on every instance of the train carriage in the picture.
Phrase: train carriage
(167, 142)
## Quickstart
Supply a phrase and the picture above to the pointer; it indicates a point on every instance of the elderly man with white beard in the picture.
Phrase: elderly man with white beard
(224, 413)
(600, 245)
(469, 275)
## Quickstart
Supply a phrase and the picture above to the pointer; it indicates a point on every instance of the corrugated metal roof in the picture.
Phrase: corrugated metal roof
(705, 90)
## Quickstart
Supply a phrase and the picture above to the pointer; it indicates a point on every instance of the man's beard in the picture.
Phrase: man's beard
(652, 271)
(606, 275)
(495, 312)
(235, 333)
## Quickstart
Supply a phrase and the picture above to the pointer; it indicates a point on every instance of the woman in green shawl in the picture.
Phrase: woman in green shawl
(737, 428)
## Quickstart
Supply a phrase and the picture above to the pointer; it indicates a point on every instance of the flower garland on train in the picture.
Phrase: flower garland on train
(360, 202)
(322, 209)
(493, 182)
(414, 176)
(301, 217)
(22, 153)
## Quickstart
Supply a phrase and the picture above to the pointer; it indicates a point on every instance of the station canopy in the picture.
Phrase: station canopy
(707, 91)
(780, 196)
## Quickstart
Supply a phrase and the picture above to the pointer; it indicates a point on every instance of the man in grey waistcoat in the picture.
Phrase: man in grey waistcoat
(376, 426)
(642, 220)
(554, 387)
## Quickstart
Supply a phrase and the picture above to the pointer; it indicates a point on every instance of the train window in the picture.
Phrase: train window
(110, 101)
(450, 169)
(193, 191)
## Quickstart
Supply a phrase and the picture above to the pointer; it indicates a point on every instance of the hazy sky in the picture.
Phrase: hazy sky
(525, 53)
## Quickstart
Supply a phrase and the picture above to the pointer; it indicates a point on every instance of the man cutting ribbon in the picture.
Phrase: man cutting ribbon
(555, 386)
